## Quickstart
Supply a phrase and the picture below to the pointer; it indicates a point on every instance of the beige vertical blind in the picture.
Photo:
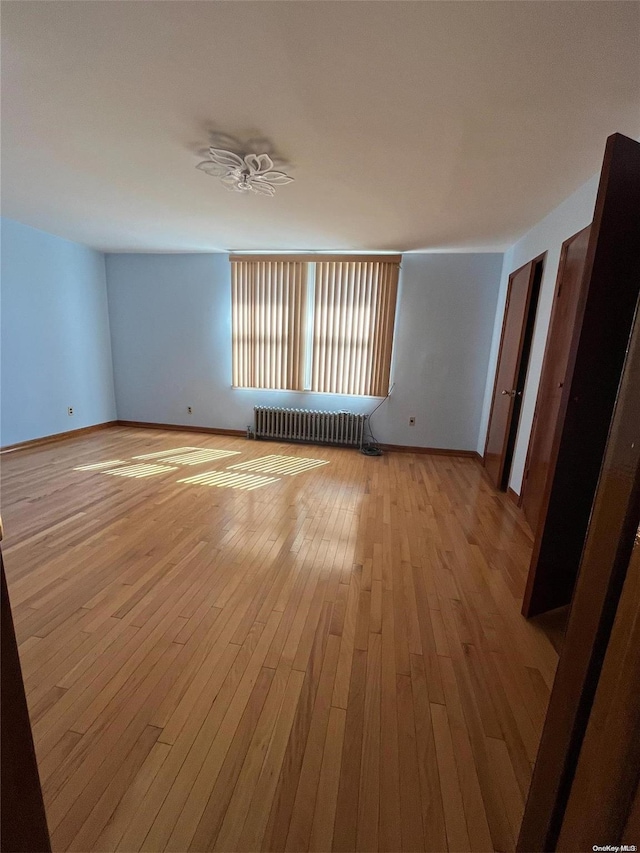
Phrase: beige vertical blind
(268, 313)
(354, 314)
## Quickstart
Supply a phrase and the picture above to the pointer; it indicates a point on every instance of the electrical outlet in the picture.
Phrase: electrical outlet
(70, 411)
(412, 421)
(190, 410)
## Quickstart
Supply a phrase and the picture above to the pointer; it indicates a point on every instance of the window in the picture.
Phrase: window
(322, 325)
(268, 313)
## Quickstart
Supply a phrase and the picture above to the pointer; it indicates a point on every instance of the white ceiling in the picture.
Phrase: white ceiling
(409, 125)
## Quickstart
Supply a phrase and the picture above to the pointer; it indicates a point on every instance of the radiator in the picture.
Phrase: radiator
(342, 428)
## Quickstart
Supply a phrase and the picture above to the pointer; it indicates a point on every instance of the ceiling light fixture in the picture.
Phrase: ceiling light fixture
(244, 173)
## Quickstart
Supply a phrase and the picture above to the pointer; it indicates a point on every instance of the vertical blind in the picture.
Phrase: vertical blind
(268, 310)
(355, 304)
(348, 332)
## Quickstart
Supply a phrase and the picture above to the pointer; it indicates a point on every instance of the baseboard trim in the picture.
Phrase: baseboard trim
(433, 451)
(514, 497)
(239, 433)
(58, 436)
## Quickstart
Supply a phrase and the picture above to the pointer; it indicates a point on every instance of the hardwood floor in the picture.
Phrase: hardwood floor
(332, 660)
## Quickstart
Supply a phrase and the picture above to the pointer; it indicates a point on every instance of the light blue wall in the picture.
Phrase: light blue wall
(56, 348)
(443, 341)
(171, 335)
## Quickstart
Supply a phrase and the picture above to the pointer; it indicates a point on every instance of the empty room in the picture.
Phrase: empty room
(320, 425)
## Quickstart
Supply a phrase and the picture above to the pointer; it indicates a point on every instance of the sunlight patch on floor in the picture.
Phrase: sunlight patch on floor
(288, 465)
(170, 451)
(98, 465)
(230, 480)
(140, 471)
(200, 457)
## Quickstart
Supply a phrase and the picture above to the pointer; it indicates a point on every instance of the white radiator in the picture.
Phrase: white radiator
(343, 428)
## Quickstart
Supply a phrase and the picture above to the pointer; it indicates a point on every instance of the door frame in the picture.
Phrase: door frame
(24, 822)
(601, 805)
(564, 251)
(596, 359)
(607, 555)
(539, 259)
(601, 437)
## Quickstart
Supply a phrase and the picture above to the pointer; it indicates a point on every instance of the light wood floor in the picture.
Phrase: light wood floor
(333, 661)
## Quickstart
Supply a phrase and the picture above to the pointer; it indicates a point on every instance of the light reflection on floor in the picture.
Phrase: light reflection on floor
(234, 477)
(288, 465)
(140, 470)
(98, 465)
(230, 480)
(200, 457)
(170, 451)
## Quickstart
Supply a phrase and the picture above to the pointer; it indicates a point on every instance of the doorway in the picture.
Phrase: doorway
(511, 373)
(541, 455)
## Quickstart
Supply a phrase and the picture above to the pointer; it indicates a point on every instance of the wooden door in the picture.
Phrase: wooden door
(631, 831)
(605, 385)
(543, 443)
(505, 388)
(598, 349)
(589, 748)
(601, 803)
(24, 824)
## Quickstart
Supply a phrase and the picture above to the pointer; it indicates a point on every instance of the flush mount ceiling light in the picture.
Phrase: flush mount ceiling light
(243, 170)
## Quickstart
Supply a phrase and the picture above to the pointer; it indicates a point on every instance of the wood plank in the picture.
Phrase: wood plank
(216, 808)
(328, 784)
(410, 804)
(390, 834)
(303, 808)
(457, 836)
(346, 820)
(435, 837)
(236, 813)
(258, 813)
(369, 795)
